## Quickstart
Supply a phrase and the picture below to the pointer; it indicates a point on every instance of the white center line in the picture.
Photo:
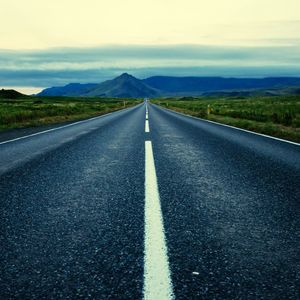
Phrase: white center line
(157, 278)
(147, 129)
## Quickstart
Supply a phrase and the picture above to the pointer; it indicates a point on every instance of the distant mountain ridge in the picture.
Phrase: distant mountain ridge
(127, 86)
(71, 89)
(205, 84)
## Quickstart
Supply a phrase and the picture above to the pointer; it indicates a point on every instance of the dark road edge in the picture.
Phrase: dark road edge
(230, 126)
(22, 133)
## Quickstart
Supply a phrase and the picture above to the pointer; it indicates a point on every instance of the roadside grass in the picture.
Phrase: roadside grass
(276, 116)
(37, 111)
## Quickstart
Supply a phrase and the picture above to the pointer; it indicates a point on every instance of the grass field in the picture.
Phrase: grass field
(36, 111)
(277, 116)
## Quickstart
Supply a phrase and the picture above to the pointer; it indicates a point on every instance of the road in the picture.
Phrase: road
(120, 207)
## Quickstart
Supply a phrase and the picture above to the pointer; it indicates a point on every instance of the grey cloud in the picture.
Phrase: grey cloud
(180, 52)
(46, 67)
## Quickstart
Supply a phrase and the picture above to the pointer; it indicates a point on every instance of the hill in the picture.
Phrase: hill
(200, 85)
(124, 86)
(255, 92)
(71, 89)
(11, 94)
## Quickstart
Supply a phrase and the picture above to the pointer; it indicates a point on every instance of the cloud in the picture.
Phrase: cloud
(58, 66)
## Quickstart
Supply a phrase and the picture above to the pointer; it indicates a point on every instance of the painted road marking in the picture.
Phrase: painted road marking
(233, 127)
(53, 129)
(146, 116)
(147, 129)
(61, 127)
(157, 277)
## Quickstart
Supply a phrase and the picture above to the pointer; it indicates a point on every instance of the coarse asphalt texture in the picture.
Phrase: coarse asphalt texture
(72, 210)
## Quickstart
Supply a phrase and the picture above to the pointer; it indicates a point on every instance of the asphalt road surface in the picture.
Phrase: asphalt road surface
(152, 205)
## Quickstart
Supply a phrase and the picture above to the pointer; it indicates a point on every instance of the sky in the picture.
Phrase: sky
(45, 43)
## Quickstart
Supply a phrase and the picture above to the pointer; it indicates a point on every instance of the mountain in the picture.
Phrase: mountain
(11, 94)
(255, 92)
(124, 86)
(71, 89)
(200, 85)
(127, 86)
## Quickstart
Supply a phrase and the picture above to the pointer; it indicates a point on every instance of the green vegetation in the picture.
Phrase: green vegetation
(36, 111)
(277, 116)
